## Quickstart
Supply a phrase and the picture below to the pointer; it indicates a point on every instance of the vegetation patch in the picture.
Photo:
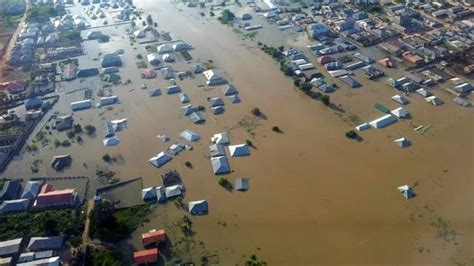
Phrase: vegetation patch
(46, 223)
(109, 224)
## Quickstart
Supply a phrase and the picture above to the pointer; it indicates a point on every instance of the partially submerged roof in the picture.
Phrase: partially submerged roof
(217, 110)
(189, 135)
(14, 205)
(217, 150)
(61, 161)
(183, 97)
(188, 109)
(112, 141)
(239, 150)
(229, 89)
(400, 112)
(149, 193)
(31, 190)
(220, 138)
(214, 102)
(407, 191)
(197, 117)
(220, 165)
(198, 207)
(160, 159)
(10, 189)
(400, 99)
(173, 191)
(154, 92)
(173, 89)
(402, 142)
(175, 149)
(241, 184)
(434, 100)
(235, 99)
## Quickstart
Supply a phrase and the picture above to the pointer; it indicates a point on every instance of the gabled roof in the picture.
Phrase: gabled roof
(173, 89)
(173, 191)
(235, 99)
(400, 99)
(241, 184)
(402, 142)
(229, 89)
(160, 159)
(189, 135)
(149, 193)
(10, 247)
(197, 117)
(160, 194)
(217, 110)
(217, 150)
(45, 243)
(175, 149)
(14, 205)
(188, 109)
(220, 138)
(239, 150)
(31, 190)
(400, 112)
(214, 102)
(198, 207)
(407, 191)
(112, 141)
(154, 92)
(220, 165)
(183, 97)
(10, 190)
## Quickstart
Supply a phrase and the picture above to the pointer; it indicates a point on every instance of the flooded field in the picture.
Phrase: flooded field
(315, 197)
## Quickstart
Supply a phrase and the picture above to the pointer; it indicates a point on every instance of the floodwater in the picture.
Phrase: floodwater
(316, 197)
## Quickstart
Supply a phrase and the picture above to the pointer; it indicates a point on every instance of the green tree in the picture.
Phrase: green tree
(326, 99)
(306, 86)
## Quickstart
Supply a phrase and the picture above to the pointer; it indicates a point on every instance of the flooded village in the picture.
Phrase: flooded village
(236, 133)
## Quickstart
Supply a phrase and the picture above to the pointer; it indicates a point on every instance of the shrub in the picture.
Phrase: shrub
(107, 158)
(249, 142)
(188, 164)
(70, 134)
(326, 99)
(65, 143)
(77, 128)
(255, 111)
(78, 139)
(297, 82)
(276, 129)
(306, 86)
(89, 129)
(351, 134)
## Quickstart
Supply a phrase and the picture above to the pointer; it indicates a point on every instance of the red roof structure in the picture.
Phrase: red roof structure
(49, 197)
(154, 236)
(13, 87)
(412, 58)
(386, 62)
(146, 256)
(325, 59)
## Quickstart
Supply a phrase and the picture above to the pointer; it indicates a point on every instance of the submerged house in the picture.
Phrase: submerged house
(402, 142)
(160, 159)
(10, 190)
(32, 189)
(220, 138)
(239, 150)
(213, 78)
(229, 90)
(61, 161)
(220, 165)
(383, 121)
(407, 191)
(189, 135)
(199, 207)
(111, 60)
(241, 184)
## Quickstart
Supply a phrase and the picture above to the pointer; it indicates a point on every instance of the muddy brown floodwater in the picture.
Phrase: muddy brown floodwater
(316, 197)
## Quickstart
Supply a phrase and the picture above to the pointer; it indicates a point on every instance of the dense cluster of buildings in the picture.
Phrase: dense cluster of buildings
(31, 251)
(36, 195)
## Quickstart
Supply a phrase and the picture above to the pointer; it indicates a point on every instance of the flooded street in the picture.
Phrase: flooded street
(315, 197)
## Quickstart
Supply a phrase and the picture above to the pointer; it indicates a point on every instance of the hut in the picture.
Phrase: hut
(220, 165)
(407, 191)
(239, 150)
(199, 207)
(241, 184)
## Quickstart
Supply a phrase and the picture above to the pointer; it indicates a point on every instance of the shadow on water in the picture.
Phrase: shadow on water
(336, 108)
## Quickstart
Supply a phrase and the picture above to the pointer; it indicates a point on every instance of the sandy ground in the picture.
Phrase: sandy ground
(315, 196)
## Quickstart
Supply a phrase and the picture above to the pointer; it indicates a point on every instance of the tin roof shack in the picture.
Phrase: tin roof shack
(153, 237)
(11, 190)
(146, 256)
(48, 197)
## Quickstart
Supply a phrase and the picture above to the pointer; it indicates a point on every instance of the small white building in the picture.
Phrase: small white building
(383, 121)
